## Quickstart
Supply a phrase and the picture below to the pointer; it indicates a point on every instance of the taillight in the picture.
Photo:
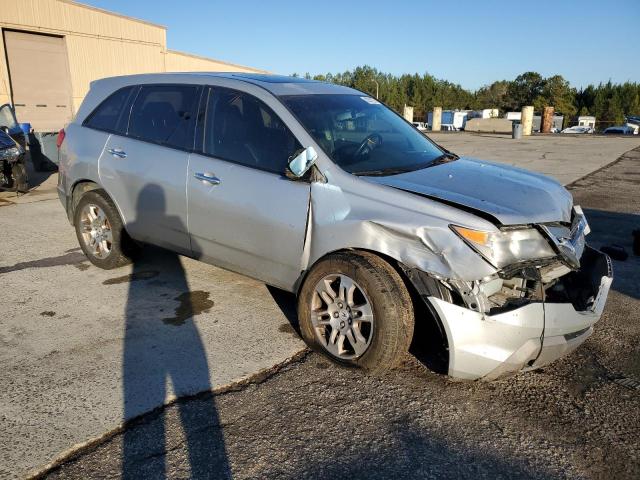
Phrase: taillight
(60, 139)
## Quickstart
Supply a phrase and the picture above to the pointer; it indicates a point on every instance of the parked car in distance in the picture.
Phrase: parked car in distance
(578, 129)
(420, 126)
(321, 190)
(619, 130)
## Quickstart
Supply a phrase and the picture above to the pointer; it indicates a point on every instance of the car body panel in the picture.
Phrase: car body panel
(229, 222)
(148, 186)
(512, 195)
(275, 229)
(79, 155)
(409, 229)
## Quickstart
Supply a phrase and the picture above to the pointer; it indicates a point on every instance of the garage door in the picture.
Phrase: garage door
(40, 79)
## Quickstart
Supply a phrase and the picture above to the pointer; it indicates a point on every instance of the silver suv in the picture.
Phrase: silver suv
(321, 190)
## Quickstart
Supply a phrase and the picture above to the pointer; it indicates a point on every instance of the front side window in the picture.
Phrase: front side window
(240, 128)
(163, 114)
(361, 135)
(111, 114)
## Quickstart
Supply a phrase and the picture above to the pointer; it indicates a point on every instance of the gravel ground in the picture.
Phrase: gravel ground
(315, 420)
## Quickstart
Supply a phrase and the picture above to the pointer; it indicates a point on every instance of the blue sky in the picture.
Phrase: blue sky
(468, 42)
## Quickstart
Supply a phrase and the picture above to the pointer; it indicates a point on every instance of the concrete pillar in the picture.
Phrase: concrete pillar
(527, 120)
(547, 120)
(436, 121)
(408, 113)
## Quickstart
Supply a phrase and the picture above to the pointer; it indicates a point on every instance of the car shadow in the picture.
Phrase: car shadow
(287, 304)
(38, 177)
(615, 228)
(163, 347)
(429, 346)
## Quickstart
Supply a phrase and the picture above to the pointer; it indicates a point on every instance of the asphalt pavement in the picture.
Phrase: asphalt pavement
(577, 418)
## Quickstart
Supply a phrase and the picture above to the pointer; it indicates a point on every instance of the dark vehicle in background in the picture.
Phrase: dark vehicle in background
(619, 130)
(13, 174)
(9, 125)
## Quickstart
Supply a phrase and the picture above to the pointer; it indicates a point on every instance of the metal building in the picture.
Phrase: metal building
(50, 50)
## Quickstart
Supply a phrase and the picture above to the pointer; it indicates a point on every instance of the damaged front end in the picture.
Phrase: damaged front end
(527, 314)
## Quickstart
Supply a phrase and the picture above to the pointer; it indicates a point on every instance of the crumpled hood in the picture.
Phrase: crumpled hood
(512, 195)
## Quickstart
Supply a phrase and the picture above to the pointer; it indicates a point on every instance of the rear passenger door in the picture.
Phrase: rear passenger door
(144, 166)
(244, 213)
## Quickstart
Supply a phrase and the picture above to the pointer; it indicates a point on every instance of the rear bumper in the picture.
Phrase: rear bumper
(491, 346)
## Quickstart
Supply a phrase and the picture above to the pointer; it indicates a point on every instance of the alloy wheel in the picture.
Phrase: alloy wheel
(342, 316)
(96, 230)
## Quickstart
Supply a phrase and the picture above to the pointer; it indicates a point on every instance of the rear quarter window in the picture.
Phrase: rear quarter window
(112, 115)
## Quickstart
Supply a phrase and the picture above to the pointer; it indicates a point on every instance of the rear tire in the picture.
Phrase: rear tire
(101, 233)
(376, 345)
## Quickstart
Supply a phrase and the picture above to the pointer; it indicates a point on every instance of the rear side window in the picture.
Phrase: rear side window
(163, 114)
(242, 129)
(111, 115)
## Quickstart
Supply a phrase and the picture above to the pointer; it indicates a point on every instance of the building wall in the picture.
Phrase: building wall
(185, 62)
(99, 43)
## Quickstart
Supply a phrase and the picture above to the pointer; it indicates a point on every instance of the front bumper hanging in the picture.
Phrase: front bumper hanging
(483, 346)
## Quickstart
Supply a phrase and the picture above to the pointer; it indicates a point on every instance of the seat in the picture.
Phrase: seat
(231, 139)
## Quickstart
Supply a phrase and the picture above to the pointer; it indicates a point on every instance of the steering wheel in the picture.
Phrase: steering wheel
(372, 141)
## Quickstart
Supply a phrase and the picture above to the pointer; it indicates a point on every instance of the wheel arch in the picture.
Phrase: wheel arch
(81, 187)
(78, 189)
(419, 284)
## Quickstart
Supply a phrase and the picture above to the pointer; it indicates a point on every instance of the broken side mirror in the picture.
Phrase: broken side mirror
(302, 162)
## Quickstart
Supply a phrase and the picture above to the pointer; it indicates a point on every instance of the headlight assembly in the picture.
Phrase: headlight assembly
(506, 247)
(10, 153)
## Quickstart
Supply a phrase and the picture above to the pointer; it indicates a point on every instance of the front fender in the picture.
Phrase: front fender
(413, 231)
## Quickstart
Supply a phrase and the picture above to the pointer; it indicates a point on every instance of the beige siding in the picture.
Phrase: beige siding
(4, 76)
(184, 62)
(91, 58)
(69, 18)
(99, 43)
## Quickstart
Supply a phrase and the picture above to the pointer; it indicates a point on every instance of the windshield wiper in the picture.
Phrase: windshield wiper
(446, 157)
(382, 172)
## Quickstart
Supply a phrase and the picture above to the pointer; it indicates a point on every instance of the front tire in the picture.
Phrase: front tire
(355, 309)
(100, 231)
(20, 180)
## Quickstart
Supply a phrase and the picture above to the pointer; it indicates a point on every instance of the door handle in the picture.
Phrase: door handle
(207, 177)
(116, 152)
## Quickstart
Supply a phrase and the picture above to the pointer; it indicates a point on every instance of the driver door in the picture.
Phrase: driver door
(244, 213)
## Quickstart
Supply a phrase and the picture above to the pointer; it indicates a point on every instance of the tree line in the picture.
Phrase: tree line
(608, 102)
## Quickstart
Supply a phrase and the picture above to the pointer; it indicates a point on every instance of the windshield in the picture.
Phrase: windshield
(361, 135)
(7, 118)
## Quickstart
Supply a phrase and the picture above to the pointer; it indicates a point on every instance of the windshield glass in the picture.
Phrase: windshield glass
(7, 118)
(361, 135)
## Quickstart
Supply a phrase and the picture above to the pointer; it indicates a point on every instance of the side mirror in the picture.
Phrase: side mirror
(302, 162)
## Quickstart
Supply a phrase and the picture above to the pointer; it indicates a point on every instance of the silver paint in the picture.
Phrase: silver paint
(274, 228)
